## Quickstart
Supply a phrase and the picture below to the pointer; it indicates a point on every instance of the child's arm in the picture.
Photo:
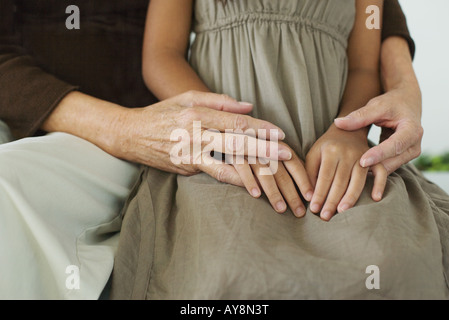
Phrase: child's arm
(166, 71)
(333, 162)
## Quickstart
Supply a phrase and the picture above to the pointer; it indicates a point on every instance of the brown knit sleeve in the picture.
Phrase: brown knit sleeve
(395, 23)
(27, 93)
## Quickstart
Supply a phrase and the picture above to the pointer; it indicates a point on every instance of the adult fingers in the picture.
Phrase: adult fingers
(221, 171)
(371, 113)
(230, 122)
(220, 102)
(242, 145)
(395, 163)
(405, 137)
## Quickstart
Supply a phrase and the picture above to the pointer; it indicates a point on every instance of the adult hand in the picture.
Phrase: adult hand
(398, 112)
(146, 135)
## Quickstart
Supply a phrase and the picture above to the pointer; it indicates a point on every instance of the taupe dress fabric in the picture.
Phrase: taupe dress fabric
(196, 238)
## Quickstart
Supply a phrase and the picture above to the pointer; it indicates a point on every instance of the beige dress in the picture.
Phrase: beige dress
(196, 238)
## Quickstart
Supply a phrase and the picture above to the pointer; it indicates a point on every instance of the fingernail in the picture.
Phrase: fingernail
(277, 135)
(284, 155)
(378, 196)
(280, 206)
(344, 207)
(326, 215)
(341, 119)
(299, 212)
(281, 135)
(255, 192)
(315, 208)
(309, 195)
(245, 103)
(367, 162)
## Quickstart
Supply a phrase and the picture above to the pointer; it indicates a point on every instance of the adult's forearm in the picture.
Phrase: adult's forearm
(89, 118)
(396, 65)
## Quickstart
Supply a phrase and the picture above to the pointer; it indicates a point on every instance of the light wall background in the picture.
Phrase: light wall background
(428, 22)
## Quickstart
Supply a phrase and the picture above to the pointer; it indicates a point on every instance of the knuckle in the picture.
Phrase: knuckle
(224, 97)
(360, 113)
(420, 132)
(240, 123)
(330, 206)
(353, 154)
(331, 149)
(389, 168)
(374, 102)
(416, 152)
(191, 94)
(221, 174)
(382, 152)
(232, 144)
(332, 203)
(326, 179)
(190, 114)
(283, 179)
(272, 192)
(319, 196)
(399, 146)
(350, 199)
(189, 97)
(295, 201)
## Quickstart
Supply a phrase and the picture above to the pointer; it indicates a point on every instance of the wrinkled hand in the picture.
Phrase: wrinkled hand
(149, 135)
(333, 167)
(398, 112)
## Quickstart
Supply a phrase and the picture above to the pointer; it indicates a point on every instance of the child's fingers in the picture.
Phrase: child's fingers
(298, 172)
(246, 174)
(270, 187)
(289, 192)
(337, 190)
(355, 188)
(324, 182)
(380, 181)
(223, 172)
(312, 166)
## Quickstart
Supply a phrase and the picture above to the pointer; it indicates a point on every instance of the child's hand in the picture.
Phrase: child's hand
(278, 180)
(333, 165)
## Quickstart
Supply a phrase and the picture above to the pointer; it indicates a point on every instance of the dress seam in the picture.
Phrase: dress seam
(245, 17)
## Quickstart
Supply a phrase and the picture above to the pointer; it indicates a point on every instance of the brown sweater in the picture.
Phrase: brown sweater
(41, 60)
